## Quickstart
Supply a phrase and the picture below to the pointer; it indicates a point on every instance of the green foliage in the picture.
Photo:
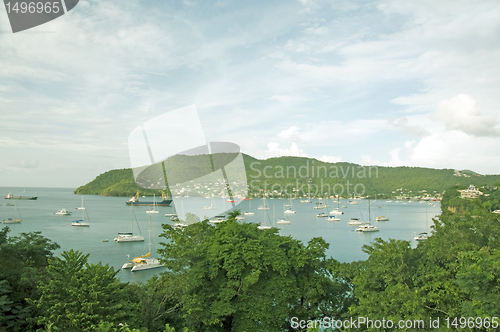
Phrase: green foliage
(77, 296)
(283, 171)
(23, 259)
(239, 278)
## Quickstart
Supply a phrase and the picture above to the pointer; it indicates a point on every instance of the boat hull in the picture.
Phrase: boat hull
(165, 202)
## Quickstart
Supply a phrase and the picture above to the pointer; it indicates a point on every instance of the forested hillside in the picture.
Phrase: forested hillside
(280, 175)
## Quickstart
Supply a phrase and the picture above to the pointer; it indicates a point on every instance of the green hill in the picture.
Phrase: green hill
(295, 176)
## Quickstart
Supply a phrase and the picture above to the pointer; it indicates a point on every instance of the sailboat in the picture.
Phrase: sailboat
(333, 214)
(423, 236)
(82, 207)
(154, 206)
(249, 212)
(129, 236)
(212, 204)
(283, 220)
(367, 227)
(146, 262)
(262, 225)
(81, 222)
(290, 210)
(264, 206)
(337, 210)
(13, 220)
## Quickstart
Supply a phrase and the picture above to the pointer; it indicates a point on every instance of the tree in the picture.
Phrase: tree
(24, 257)
(77, 296)
(239, 278)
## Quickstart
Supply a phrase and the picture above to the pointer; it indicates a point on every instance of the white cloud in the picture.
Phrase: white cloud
(461, 113)
(317, 31)
(275, 150)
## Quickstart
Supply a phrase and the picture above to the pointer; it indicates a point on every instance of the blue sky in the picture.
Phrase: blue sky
(372, 82)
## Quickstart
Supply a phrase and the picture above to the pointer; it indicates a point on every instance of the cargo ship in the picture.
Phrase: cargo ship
(135, 201)
(10, 196)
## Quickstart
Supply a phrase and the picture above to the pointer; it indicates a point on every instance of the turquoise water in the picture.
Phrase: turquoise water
(110, 215)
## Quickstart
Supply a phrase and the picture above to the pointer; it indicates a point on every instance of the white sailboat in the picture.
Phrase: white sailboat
(15, 219)
(82, 222)
(146, 262)
(154, 210)
(424, 235)
(264, 206)
(290, 210)
(129, 236)
(263, 224)
(82, 207)
(337, 211)
(249, 212)
(367, 227)
(283, 220)
(212, 204)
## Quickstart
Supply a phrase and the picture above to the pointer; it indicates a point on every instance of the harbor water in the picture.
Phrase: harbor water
(110, 215)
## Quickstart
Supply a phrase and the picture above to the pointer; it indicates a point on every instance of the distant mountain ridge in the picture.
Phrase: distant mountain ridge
(299, 175)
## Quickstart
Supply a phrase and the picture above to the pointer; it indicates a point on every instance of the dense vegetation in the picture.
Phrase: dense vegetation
(234, 277)
(283, 174)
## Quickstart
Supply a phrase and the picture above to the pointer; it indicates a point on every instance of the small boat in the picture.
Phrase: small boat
(154, 210)
(81, 222)
(357, 221)
(240, 218)
(283, 221)
(12, 221)
(170, 214)
(105, 240)
(15, 219)
(248, 213)
(322, 215)
(306, 201)
(129, 236)
(332, 218)
(421, 236)
(264, 206)
(218, 219)
(382, 218)
(82, 207)
(231, 201)
(264, 227)
(367, 228)
(177, 224)
(63, 212)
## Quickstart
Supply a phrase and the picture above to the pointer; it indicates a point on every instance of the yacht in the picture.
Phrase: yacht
(357, 221)
(332, 218)
(128, 237)
(367, 228)
(322, 215)
(382, 218)
(63, 212)
(421, 236)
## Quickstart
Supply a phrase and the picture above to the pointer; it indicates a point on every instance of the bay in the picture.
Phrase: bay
(110, 215)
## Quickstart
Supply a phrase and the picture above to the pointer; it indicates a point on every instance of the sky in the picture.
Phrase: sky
(391, 83)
